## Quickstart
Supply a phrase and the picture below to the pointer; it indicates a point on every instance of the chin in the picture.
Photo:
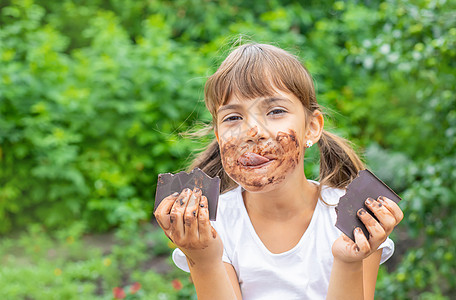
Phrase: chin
(261, 185)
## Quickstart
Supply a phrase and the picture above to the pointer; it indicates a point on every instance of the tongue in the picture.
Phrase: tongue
(252, 159)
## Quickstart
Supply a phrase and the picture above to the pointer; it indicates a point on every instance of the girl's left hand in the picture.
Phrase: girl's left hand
(388, 214)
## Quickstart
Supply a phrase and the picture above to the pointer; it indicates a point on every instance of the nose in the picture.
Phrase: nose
(255, 135)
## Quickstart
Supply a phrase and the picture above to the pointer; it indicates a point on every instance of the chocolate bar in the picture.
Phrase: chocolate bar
(170, 183)
(366, 185)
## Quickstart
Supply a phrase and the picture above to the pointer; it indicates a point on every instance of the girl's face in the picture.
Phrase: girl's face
(262, 140)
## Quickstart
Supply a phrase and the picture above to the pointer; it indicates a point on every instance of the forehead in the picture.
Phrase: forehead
(278, 97)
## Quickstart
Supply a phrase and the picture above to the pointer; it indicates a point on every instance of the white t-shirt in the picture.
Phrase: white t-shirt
(300, 273)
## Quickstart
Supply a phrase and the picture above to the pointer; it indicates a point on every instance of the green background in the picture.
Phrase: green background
(94, 96)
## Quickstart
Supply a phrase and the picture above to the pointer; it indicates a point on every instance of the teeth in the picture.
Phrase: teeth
(252, 159)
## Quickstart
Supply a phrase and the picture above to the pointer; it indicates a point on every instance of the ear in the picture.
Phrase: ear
(315, 128)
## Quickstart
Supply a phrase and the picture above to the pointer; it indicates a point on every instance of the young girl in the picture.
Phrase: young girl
(274, 237)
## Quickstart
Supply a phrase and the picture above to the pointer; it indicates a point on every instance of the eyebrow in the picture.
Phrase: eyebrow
(265, 102)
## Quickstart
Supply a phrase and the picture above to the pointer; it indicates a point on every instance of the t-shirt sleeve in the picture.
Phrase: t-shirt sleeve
(180, 260)
(387, 249)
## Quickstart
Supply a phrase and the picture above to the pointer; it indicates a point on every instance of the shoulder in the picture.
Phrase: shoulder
(330, 195)
(229, 198)
(229, 207)
(329, 199)
(230, 201)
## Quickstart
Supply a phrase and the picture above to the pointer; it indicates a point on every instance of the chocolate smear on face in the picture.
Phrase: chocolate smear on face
(255, 166)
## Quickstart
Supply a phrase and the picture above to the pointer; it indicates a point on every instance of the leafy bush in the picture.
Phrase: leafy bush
(84, 134)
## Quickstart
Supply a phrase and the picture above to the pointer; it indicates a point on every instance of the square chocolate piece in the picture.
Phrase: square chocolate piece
(366, 185)
(170, 183)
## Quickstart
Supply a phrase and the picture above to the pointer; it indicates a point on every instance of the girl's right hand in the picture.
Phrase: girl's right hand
(184, 218)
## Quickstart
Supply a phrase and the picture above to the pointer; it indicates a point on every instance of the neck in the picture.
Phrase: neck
(293, 197)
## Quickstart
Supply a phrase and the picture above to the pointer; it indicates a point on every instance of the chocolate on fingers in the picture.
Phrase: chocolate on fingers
(376, 232)
(162, 213)
(191, 214)
(382, 215)
(177, 213)
(365, 186)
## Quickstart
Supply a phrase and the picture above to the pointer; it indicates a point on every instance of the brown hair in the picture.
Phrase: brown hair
(243, 74)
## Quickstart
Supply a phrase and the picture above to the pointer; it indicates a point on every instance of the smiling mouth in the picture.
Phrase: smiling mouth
(253, 160)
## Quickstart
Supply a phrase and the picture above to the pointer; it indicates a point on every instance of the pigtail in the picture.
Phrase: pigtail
(339, 163)
(210, 162)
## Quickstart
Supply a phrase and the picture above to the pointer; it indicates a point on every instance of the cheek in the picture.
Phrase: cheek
(229, 151)
(291, 149)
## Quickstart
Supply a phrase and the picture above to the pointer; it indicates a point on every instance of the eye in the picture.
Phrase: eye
(276, 111)
(232, 118)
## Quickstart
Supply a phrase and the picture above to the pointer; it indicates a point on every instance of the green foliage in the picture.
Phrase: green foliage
(84, 134)
(66, 265)
(94, 93)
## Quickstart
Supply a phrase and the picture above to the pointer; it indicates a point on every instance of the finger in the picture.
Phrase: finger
(384, 216)
(362, 245)
(392, 207)
(376, 232)
(177, 213)
(204, 226)
(165, 205)
(162, 212)
(191, 215)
